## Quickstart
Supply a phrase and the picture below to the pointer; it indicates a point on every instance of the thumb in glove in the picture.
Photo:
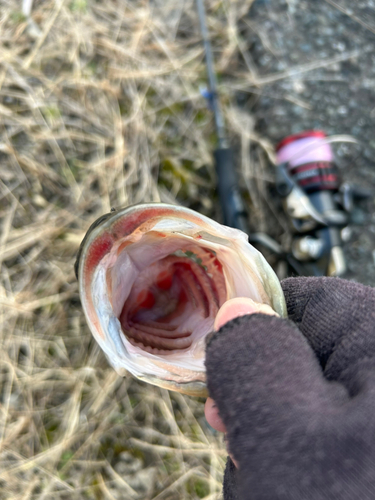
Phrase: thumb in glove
(292, 433)
(231, 309)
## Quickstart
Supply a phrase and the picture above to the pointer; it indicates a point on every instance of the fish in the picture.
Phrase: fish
(152, 278)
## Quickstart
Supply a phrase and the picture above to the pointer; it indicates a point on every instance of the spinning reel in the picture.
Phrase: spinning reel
(318, 205)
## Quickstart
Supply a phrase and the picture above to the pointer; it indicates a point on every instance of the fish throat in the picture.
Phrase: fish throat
(172, 301)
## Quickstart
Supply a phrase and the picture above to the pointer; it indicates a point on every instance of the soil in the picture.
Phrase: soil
(321, 59)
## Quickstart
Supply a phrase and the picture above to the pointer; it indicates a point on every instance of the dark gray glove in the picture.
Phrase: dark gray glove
(297, 396)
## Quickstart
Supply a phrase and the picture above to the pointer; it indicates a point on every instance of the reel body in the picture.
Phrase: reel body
(308, 181)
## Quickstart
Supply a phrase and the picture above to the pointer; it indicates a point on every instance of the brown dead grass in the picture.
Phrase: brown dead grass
(99, 107)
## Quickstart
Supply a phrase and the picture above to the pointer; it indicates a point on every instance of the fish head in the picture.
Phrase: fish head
(152, 279)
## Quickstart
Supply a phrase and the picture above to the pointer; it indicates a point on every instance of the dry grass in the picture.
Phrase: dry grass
(99, 106)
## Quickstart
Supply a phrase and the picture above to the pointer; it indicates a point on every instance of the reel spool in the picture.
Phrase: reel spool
(310, 161)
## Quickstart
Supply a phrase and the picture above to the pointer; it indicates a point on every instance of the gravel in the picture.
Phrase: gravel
(315, 67)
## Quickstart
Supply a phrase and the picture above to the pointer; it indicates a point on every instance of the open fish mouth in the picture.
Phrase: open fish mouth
(152, 278)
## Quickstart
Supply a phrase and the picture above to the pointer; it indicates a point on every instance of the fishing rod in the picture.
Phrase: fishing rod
(234, 211)
(306, 180)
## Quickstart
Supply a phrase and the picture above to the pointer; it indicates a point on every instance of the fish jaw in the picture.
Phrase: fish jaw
(151, 232)
(195, 388)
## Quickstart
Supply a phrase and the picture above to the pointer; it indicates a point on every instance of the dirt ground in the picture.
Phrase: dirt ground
(101, 106)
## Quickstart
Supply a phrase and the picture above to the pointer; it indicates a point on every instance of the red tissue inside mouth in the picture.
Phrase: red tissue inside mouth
(153, 318)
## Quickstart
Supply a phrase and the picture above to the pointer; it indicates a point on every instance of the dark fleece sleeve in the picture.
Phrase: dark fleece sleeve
(297, 396)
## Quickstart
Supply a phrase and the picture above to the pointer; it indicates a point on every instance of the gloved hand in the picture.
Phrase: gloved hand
(297, 396)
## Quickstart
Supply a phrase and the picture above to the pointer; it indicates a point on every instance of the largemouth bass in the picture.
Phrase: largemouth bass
(151, 280)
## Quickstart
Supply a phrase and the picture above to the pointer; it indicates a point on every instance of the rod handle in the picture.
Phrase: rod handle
(234, 212)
